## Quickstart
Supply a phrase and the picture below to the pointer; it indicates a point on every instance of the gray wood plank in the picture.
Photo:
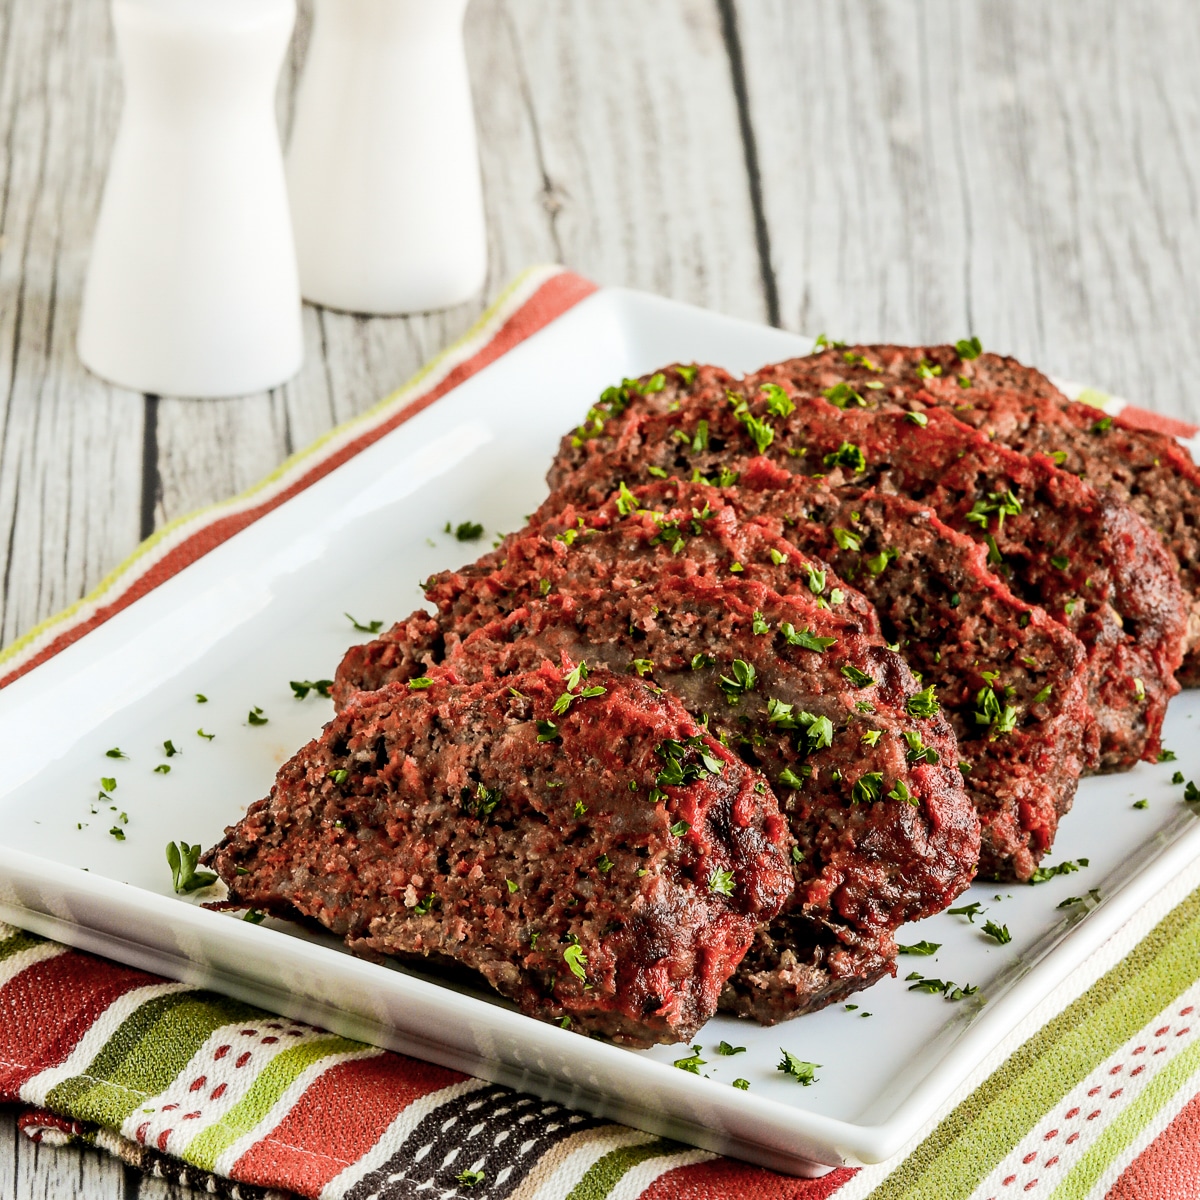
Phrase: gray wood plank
(34, 1172)
(1020, 171)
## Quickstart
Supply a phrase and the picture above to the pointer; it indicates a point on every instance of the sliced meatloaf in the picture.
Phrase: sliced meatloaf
(609, 875)
(863, 761)
(1010, 677)
(1020, 408)
(1086, 558)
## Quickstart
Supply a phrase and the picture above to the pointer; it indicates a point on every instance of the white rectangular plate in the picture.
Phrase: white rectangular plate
(267, 607)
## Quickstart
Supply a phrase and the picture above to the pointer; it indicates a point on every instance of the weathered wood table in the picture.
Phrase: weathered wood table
(908, 170)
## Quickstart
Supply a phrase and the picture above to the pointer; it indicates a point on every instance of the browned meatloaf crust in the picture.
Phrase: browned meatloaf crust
(440, 822)
(884, 834)
(1021, 408)
(1009, 676)
(1088, 559)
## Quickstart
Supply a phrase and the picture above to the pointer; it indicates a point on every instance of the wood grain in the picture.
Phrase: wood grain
(1021, 171)
(900, 169)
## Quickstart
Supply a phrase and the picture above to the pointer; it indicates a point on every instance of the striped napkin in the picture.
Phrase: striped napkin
(1095, 1094)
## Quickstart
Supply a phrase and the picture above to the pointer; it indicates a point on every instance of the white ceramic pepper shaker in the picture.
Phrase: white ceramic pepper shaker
(383, 169)
(192, 287)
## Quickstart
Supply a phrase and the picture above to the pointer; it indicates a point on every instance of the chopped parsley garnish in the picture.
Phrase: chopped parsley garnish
(779, 403)
(576, 960)
(867, 788)
(1141, 804)
(469, 1178)
(467, 531)
(721, 882)
(579, 809)
(115, 752)
(301, 687)
(1044, 694)
(870, 737)
(858, 678)
(339, 775)
(254, 917)
(1002, 504)
(998, 933)
(255, 716)
(369, 627)
(169, 749)
(680, 769)
(1000, 719)
(208, 737)
(964, 381)
(802, 1072)
(948, 988)
(922, 948)
(1064, 868)
(818, 730)
(742, 679)
(626, 500)
(162, 769)
(1163, 756)
(543, 587)
(1191, 793)
(702, 660)
(917, 751)
(424, 907)
(847, 540)
(612, 403)
(842, 395)
(760, 625)
(183, 860)
(1103, 425)
(823, 343)
(917, 418)
(1093, 893)
(692, 1063)
(742, 1085)
(1177, 777)
(483, 802)
(547, 731)
(970, 911)
(118, 833)
(201, 698)
(968, 348)
(804, 639)
(108, 783)
(604, 864)
(816, 579)
(879, 562)
(847, 455)
(760, 432)
(657, 472)
(564, 702)
(900, 792)
(641, 666)
(777, 558)
(789, 778)
(728, 1051)
(687, 374)
(1060, 562)
(736, 568)
(926, 370)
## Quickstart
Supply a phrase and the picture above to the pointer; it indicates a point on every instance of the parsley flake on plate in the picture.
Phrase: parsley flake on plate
(804, 1073)
(301, 687)
(369, 627)
(183, 860)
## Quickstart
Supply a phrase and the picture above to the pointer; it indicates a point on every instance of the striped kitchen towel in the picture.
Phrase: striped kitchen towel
(1096, 1093)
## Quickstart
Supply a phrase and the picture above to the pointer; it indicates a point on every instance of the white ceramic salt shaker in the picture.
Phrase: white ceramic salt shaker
(192, 287)
(382, 167)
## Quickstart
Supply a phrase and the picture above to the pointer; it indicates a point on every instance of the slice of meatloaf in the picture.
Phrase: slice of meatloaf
(1008, 675)
(1020, 408)
(577, 839)
(864, 762)
(1088, 559)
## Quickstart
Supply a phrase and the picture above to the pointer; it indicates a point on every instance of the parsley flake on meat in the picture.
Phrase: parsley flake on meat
(867, 788)
(804, 639)
(742, 679)
(779, 403)
(1000, 718)
(721, 882)
(858, 678)
(968, 348)
(842, 395)
(917, 751)
(847, 455)
(847, 540)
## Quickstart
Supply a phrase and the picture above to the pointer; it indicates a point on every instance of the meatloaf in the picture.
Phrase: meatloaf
(608, 875)
(1020, 408)
(1088, 559)
(1009, 676)
(864, 762)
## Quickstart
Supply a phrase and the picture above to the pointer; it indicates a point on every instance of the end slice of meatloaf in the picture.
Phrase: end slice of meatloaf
(1020, 408)
(833, 718)
(1010, 677)
(444, 821)
(1088, 559)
